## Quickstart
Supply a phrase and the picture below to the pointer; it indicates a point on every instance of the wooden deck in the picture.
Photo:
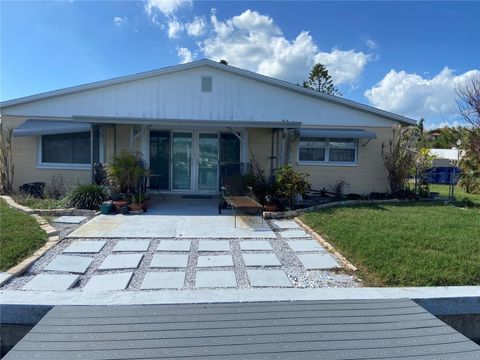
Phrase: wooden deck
(350, 329)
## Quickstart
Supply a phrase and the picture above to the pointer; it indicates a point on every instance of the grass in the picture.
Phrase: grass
(410, 244)
(38, 203)
(458, 192)
(20, 236)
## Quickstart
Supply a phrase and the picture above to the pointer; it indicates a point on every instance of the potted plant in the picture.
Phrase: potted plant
(137, 203)
(125, 171)
(106, 207)
(119, 202)
(269, 205)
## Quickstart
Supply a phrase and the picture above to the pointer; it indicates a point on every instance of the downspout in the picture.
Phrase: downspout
(272, 155)
(91, 153)
(114, 139)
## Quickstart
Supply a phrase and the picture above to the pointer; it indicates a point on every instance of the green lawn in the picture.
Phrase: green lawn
(414, 244)
(458, 192)
(20, 236)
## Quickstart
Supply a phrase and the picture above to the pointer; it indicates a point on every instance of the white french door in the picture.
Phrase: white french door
(194, 161)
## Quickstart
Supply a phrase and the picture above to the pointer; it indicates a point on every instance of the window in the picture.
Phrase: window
(206, 84)
(322, 150)
(69, 149)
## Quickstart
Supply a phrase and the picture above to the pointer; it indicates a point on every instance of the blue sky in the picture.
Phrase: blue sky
(405, 57)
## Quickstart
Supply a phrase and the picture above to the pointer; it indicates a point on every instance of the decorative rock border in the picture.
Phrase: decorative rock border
(293, 213)
(52, 240)
(327, 245)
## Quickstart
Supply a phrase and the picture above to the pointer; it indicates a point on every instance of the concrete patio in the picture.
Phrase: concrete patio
(176, 217)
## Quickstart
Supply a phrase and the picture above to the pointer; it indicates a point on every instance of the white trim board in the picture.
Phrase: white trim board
(228, 295)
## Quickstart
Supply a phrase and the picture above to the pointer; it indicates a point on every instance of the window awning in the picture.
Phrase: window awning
(33, 127)
(337, 133)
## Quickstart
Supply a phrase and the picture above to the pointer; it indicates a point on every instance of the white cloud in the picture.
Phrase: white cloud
(371, 44)
(184, 54)
(415, 96)
(344, 66)
(253, 41)
(197, 27)
(119, 20)
(166, 7)
(175, 27)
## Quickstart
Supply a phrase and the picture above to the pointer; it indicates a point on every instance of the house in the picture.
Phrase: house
(446, 157)
(196, 122)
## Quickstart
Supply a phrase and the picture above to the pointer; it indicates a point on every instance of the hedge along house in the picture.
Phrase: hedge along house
(197, 122)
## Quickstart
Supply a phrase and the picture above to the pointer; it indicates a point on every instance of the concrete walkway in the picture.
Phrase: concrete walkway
(291, 258)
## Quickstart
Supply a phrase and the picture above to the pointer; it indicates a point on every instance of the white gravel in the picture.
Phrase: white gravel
(298, 275)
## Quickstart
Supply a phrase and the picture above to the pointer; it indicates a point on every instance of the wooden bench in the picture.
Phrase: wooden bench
(243, 202)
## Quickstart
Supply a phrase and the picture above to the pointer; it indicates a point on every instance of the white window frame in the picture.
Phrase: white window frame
(59, 166)
(327, 161)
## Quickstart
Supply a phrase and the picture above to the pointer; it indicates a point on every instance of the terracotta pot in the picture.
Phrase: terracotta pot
(119, 205)
(136, 207)
(270, 208)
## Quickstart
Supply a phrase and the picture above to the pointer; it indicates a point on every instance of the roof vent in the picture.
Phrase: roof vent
(206, 84)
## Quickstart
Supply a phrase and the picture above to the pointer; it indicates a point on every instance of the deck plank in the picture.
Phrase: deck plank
(339, 330)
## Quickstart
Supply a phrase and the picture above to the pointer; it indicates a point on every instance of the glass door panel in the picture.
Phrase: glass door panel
(160, 159)
(207, 162)
(181, 161)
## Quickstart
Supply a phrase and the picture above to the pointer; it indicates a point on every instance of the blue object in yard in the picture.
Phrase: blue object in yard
(443, 175)
(106, 208)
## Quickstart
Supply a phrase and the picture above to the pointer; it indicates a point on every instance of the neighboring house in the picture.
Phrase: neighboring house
(197, 121)
(446, 157)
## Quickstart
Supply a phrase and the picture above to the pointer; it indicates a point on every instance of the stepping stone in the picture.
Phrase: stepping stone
(286, 224)
(318, 261)
(73, 264)
(121, 262)
(4, 277)
(131, 245)
(70, 219)
(259, 278)
(294, 234)
(215, 260)
(213, 245)
(169, 261)
(83, 246)
(163, 280)
(255, 245)
(214, 279)
(305, 245)
(265, 259)
(53, 282)
(174, 245)
(107, 282)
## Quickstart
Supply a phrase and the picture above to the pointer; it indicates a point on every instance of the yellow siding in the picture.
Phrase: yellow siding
(25, 160)
(260, 142)
(368, 175)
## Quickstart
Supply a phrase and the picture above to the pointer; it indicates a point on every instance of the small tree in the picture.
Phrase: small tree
(400, 156)
(7, 168)
(289, 183)
(125, 170)
(320, 80)
(468, 102)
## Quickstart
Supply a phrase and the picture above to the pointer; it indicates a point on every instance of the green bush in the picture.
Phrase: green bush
(87, 196)
(289, 183)
(125, 171)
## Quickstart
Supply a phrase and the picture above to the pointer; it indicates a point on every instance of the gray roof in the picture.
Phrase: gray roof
(32, 127)
(228, 68)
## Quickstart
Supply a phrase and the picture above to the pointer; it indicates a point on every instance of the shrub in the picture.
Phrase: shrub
(125, 170)
(400, 157)
(87, 196)
(289, 183)
(7, 168)
(57, 188)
